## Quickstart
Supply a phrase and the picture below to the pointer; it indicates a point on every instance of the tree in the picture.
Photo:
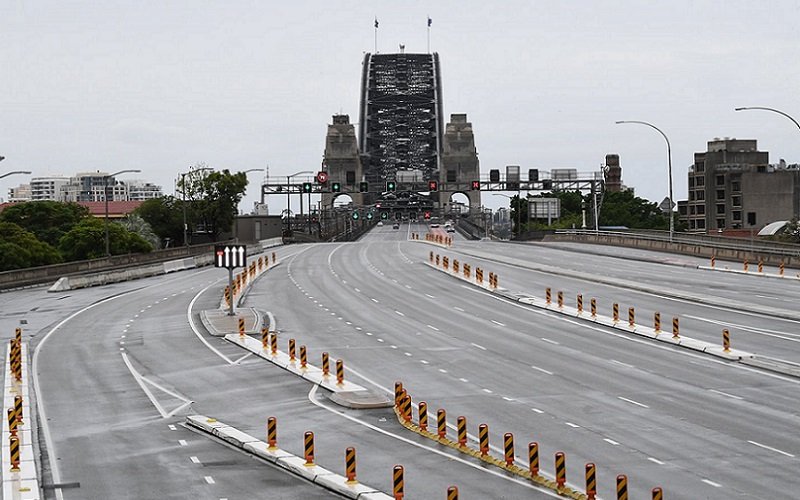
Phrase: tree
(165, 217)
(87, 241)
(137, 225)
(519, 213)
(624, 209)
(216, 197)
(47, 220)
(20, 249)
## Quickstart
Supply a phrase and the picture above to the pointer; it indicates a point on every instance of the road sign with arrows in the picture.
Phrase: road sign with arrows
(230, 256)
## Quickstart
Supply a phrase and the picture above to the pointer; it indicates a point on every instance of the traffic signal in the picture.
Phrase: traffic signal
(363, 187)
(533, 175)
(369, 215)
(384, 215)
(336, 187)
(306, 187)
(427, 216)
(433, 186)
(476, 185)
(494, 175)
(355, 215)
(391, 186)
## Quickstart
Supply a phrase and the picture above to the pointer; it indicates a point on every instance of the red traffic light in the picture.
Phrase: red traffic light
(433, 186)
(427, 215)
(476, 185)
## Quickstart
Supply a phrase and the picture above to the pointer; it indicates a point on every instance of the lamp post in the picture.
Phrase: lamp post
(770, 109)
(183, 197)
(105, 197)
(15, 172)
(289, 199)
(669, 167)
(519, 209)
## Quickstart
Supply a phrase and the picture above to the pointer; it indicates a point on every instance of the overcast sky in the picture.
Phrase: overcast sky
(158, 86)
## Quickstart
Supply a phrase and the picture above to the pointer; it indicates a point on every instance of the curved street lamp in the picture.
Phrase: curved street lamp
(105, 197)
(15, 172)
(669, 167)
(769, 109)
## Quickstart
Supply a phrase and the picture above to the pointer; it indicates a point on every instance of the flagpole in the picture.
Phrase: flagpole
(376, 35)
(429, 34)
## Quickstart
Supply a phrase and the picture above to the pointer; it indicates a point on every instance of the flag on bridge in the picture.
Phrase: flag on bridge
(376, 23)
(429, 22)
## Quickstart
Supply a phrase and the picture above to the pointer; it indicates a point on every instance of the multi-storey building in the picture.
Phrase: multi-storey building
(19, 194)
(141, 191)
(84, 187)
(47, 188)
(733, 186)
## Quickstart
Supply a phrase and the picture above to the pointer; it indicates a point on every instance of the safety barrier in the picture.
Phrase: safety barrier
(437, 239)
(507, 462)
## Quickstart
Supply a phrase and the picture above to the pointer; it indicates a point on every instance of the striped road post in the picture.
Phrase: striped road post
(350, 464)
(406, 406)
(483, 437)
(547, 296)
(676, 328)
(423, 415)
(291, 350)
(615, 312)
(782, 269)
(326, 364)
(561, 469)
(14, 452)
(273, 343)
(264, 337)
(398, 390)
(760, 265)
(452, 493)
(12, 421)
(339, 372)
(461, 422)
(726, 340)
(397, 482)
(631, 317)
(746, 265)
(657, 322)
(560, 299)
(591, 481)
(593, 306)
(272, 433)
(533, 458)
(508, 445)
(441, 423)
(658, 494)
(308, 448)
(580, 303)
(18, 409)
(622, 487)
(713, 261)
(303, 357)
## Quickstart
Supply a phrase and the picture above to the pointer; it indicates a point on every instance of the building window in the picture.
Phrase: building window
(720, 209)
(699, 167)
(720, 194)
(720, 179)
(701, 209)
(701, 224)
(691, 195)
(737, 215)
(736, 201)
(761, 169)
(692, 210)
(691, 182)
(701, 181)
(721, 223)
(691, 224)
(736, 186)
(701, 195)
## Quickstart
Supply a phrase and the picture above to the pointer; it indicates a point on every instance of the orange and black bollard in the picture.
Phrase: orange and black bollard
(264, 337)
(508, 445)
(339, 372)
(622, 487)
(14, 452)
(431, 256)
(615, 312)
(407, 406)
(291, 350)
(593, 306)
(241, 328)
(397, 482)
(274, 343)
(676, 328)
(483, 438)
(713, 261)
(760, 265)
(782, 269)
(350, 464)
(561, 469)
(272, 433)
(726, 340)
(12, 421)
(746, 265)
(398, 390)
(580, 303)
(591, 481)
(326, 367)
(274, 258)
(18, 336)
(452, 493)
(657, 322)
(303, 357)
(308, 448)
(658, 494)
(547, 296)
(631, 317)
(533, 458)
(18, 409)
(423, 415)
(441, 423)
(560, 299)
(437, 259)
(461, 424)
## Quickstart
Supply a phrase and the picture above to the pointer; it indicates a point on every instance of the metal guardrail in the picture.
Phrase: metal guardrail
(721, 242)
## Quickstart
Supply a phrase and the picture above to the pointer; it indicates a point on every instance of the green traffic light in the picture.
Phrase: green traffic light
(336, 187)
(355, 215)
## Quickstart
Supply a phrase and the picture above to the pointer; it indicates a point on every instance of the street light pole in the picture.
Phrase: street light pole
(27, 172)
(770, 109)
(669, 167)
(105, 198)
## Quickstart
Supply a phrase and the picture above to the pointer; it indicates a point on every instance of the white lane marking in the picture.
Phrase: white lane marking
(550, 341)
(498, 323)
(374, 300)
(368, 334)
(348, 323)
(197, 332)
(712, 483)
(399, 313)
(209, 479)
(487, 391)
(357, 290)
(620, 363)
(380, 340)
(478, 467)
(611, 442)
(458, 309)
(760, 331)
(138, 378)
(172, 427)
(194, 460)
(393, 346)
(408, 287)
(478, 346)
(430, 296)
(542, 370)
(442, 370)
(574, 426)
(633, 402)
(407, 353)
(423, 361)
(243, 358)
(770, 448)
(182, 442)
(537, 410)
(432, 327)
(463, 380)
(655, 460)
(725, 394)
(506, 398)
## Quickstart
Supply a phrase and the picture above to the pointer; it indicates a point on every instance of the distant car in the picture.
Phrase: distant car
(380, 223)
(450, 229)
(395, 226)
(434, 225)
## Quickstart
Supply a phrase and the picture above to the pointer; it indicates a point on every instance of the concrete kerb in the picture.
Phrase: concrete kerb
(640, 330)
(288, 461)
